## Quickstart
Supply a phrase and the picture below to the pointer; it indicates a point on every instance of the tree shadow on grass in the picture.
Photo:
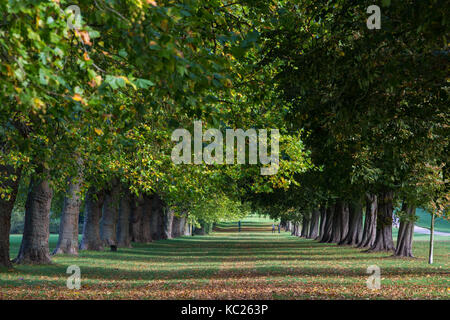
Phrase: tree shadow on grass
(211, 273)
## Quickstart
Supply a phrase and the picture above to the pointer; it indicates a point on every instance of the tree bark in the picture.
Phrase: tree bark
(370, 222)
(34, 247)
(383, 240)
(187, 228)
(406, 231)
(314, 224)
(108, 223)
(68, 227)
(137, 209)
(168, 219)
(355, 225)
(328, 228)
(123, 223)
(337, 224)
(323, 217)
(305, 226)
(430, 255)
(296, 229)
(91, 226)
(10, 181)
(176, 226)
(156, 220)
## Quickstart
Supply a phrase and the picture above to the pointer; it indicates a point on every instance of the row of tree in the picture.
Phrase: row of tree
(88, 108)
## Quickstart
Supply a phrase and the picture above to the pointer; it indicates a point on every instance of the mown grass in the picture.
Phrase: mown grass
(233, 265)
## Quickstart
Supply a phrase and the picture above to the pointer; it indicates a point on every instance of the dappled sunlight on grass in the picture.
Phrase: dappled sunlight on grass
(252, 264)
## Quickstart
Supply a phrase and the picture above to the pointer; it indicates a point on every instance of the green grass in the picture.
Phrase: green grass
(253, 264)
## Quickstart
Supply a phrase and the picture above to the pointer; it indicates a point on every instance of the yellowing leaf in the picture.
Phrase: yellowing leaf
(77, 97)
(98, 131)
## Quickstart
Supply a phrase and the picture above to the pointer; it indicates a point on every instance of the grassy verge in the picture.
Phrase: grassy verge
(233, 265)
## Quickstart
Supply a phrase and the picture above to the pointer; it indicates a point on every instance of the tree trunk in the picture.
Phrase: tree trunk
(176, 226)
(183, 225)
(370, 222)
(68, 227)
(137, 209)
(296, 229)
(168, 219)
(323, 217)
(406, 231)
(187, 228)
(123, 224)
(355, 225)
(383, 240)
(314, 224)
(108, 223)
(328, 228)
(305, 226)
(146, 232)
(336, 233)
(430, 256)
(34, 247)
(91, 226)
(156, 221)
(10, 178)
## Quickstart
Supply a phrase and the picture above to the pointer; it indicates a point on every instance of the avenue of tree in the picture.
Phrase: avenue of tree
(87, 111)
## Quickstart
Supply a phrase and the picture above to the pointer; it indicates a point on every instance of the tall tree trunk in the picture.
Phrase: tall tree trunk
(34, 247)
(406, 231)
(137, 209)
(328, 228)
(146, 232)
(430, 255)
(383, 240)
(297, 229)
(314, 224)
(168, 218)
(68, 227)
(187, 228)
(91, 226)
(123, 224)
(176, 226)
(10, 178)
(336, 234)
(108, 223)
(323, 216)
(157, 219)
(305, 226)
(370, 222)
(355, 225)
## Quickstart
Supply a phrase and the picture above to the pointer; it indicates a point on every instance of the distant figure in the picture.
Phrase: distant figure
(279, 228)
(239, 225)
(273, 228)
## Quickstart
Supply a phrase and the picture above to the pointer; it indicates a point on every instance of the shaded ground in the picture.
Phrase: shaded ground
(253, 264)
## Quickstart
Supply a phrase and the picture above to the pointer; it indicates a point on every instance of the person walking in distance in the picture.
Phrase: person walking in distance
(273, 227)
(279, 228)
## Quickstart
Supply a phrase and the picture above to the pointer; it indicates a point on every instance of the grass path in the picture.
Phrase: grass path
(252, 264)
